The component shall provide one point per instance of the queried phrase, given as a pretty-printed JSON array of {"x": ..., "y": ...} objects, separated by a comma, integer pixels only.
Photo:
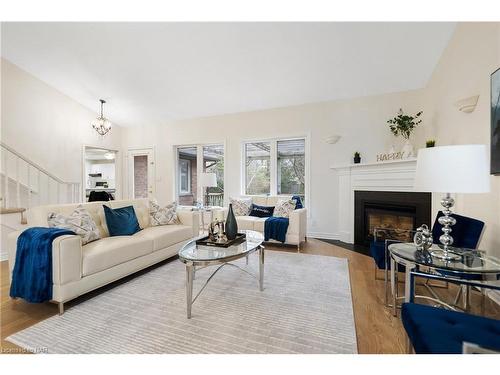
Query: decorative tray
[{"x": 240, "y": 237}]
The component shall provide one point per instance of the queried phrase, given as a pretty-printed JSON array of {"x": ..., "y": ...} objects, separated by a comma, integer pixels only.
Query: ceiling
[{"x": 152, "y": 73}]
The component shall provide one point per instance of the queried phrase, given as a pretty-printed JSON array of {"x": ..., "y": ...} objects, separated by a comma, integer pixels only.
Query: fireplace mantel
[{"x": 397, "y": 175}]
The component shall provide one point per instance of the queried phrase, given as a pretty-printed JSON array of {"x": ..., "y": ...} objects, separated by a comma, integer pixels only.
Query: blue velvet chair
[
  {"x": 432, "y": 330},
  {"x": 466, "y": 232}
]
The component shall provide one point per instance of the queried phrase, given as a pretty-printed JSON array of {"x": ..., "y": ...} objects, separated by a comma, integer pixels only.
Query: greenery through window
[
  {"x": 257, "y": 168},
  {"x": 291, "y": 167},
  {"x": 275, "y": 167},
  {"x": 213, "y": 162}
]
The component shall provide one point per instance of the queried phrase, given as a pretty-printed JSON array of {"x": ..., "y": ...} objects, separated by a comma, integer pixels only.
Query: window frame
[
  {"x": 244, "y": 159},
  {"x": 199, "y": 167},
  {"x": 188, "y": 191},
  {"x": 274, "y": 165}
]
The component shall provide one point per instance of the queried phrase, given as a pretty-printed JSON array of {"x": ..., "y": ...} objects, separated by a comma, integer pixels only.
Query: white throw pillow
[
  {"x": 284, "y": 207},
  {"x": 79, "y": 222},
  {"x": 241, "y": 206},
  {"x": 163, "y": 215}
]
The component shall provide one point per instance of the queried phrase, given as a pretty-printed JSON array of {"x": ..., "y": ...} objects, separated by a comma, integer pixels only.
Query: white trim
[
  {"x": 273, "y": 165},
  {"x": 199, "y": 168},
  {"x": 150, "y": 152},
  {"x": 323, "y": 235},
  {"x": 188, "y": 175},
  {"x": 118, "y": 170}
]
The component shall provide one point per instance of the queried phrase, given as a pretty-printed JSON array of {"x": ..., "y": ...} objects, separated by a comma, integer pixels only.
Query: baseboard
[
  {"x": 325, "y": 236},
  {"x": 4, "y": 256},
  {"x": 494, "y": 295}
]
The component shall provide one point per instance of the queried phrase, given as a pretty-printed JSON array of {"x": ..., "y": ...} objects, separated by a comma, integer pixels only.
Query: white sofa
[
  {"x": 297, "y": 229},
  {"x": 79, "y": 269}
]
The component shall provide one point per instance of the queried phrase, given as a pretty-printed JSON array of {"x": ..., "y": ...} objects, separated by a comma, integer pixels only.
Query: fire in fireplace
[{"x": 394, "y": 212}]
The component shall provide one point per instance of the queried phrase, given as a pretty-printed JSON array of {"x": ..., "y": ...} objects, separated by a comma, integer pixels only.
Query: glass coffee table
[{"x": 200, "y": 256}]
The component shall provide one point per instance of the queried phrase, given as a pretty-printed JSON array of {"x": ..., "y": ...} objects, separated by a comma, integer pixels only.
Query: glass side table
[{"x": 472, "y": 265}]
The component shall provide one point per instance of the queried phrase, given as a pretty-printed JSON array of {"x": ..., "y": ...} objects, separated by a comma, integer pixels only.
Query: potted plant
[
  {"x": 430, "y": 143},
  {"x": 357, "y": 157},
  {"x": 403, "y": 125}
]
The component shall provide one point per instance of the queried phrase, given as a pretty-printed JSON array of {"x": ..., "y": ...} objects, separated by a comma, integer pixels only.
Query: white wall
[
  {"x": 47, "y": 126},
  {"x": 361, "y": 122},
  {"x": 464, "y": 70}
]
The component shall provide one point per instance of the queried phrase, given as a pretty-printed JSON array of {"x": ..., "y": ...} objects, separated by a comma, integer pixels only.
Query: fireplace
[{"x": 395, "y": 211}]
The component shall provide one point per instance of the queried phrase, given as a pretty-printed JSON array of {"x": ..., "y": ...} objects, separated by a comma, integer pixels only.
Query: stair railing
[{"x": 41, "y": 186}]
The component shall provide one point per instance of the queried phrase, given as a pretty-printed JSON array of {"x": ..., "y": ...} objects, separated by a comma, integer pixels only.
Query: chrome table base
[{"x": 191, "y": 269}]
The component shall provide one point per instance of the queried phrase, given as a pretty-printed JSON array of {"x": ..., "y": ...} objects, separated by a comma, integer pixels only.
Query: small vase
[
  {"x": 231, "y": 224},
  {"x": 407, "y": 150}
]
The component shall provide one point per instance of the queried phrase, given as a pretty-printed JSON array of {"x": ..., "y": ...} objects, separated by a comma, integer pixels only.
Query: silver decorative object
[
  {"x": 446, "y": 239},
  {"x": 423, "y": 238},
  {"x": 216, "y": 231}
]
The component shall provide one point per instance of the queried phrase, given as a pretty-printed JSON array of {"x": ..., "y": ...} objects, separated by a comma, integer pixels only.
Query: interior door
[{"x": 141, "y": 172}]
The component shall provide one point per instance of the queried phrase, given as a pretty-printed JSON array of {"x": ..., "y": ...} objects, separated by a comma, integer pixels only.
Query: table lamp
[
  {"x": 451, "y": 169},
  {"x": 208, "y": 180}
]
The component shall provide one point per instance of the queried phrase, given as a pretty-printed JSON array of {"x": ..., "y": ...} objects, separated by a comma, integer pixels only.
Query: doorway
[{"x": 141, "y": 172}]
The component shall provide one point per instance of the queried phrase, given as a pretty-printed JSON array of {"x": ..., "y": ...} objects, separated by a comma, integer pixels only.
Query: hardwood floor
[{"x": 377, "y": 330}]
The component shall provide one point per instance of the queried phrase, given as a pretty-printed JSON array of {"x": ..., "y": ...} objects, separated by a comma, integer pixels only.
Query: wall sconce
[
  {"x": 332, "y": 139},
  {"x": 467, "y": 105}
]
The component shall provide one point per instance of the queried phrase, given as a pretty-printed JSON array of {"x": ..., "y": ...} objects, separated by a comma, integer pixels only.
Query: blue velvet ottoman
[{"x": 437, "y": 331}]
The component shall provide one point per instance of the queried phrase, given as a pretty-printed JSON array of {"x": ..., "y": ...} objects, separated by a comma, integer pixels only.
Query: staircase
[{"x": 25, "y": 184}]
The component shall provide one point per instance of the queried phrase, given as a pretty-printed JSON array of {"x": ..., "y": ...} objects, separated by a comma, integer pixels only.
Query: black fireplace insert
[{"x": 394, "y": 211}]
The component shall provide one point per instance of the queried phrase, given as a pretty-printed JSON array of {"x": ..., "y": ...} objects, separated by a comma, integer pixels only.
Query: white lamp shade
[
  {"x": 208, "y": 179},
  {"x": 453, "y": 169}
]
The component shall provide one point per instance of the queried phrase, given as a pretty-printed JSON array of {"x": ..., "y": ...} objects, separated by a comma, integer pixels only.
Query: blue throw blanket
[
  {"x": 275, "y": 228},
  {"x": 298, "y": 202},
  {"x": 32, "y": 274}
]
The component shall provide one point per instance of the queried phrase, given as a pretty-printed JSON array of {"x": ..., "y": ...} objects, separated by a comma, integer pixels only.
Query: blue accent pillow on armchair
[
  {"x": 261, "y": 211},
  {"x": 121, "y": 221}
]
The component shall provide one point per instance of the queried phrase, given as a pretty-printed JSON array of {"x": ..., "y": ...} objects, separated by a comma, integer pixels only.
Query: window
[
  {"x": 213, "y": 162},
  {"x": 291, "y": 167},
  {"x": 275, "y": 167},
  {"x": 257, "y": 168},
  {"x": 192, "y": 162},
  {"x": 184, "y": 176}
]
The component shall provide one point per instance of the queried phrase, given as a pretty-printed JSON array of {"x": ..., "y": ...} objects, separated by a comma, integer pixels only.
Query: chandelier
[{"x": 101, "y": 124}]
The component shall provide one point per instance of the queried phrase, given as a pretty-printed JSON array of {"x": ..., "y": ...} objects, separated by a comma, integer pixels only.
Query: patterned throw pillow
[
  {"x": 284, "y": 207},
  {"x": 79, "y": 222},
  {"x": 241, "y": 206},
  {"x": 163, "y": 215}
]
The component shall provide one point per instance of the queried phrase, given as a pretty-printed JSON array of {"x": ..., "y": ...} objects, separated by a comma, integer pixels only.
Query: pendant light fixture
[{"x": 101, "y": 124}]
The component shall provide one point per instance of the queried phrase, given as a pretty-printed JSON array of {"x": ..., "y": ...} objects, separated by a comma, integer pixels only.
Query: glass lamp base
[{"x": 445, "y": 255}]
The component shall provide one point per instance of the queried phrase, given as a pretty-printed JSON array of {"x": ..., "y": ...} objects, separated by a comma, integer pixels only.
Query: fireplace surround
[{"x": 403, "y": 210}]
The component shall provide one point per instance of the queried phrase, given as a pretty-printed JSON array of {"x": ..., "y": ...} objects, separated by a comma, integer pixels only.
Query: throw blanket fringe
[
  {"x": 32, "y": 274},
  {"x": 275, "y": 228}
]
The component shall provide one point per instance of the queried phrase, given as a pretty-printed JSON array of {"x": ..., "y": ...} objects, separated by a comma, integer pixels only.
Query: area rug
[{"x": 305, "y": 307}]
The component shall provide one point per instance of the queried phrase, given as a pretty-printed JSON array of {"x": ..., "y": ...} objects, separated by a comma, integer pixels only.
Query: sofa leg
[
  {"x": 409, "y": 346},
  {"x": 61, "y": 307},
  {"x": 298, "y": 248}
]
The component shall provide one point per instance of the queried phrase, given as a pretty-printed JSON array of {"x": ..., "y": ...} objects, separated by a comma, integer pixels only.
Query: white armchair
[{"x": 297, "y": 228}]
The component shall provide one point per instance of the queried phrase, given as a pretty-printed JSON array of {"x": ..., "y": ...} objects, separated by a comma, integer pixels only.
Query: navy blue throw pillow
[
  {"x": 261, "y": 211},
  {"x": 121, "y": 221}
]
